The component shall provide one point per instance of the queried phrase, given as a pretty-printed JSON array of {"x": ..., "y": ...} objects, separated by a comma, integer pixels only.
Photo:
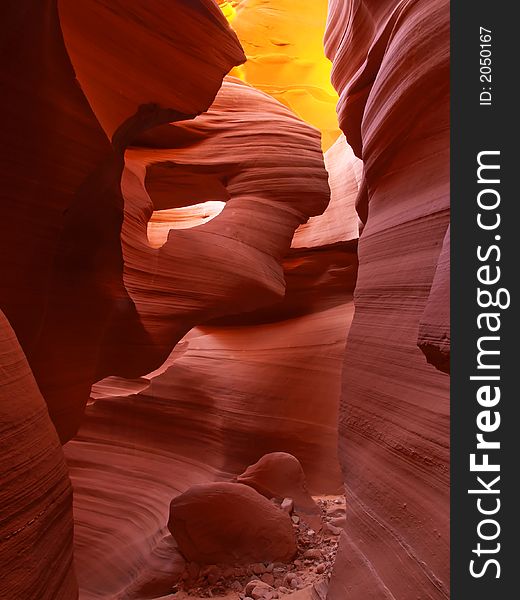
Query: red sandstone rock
[
  {"x": 391, "y": 69},
  {"x": 169, "y": 54},
  {"x": 280, "y": 475},
  {"x": 211, "y": 408},
  {"x": 271, "y": 183},
  {"x": 434, "y": 328},
  {"x": 35, "y": 492},
  {"x": 340, "y": 221},
  {"x": 230, "y": 523},
  {"x": 62, "y": 208}
]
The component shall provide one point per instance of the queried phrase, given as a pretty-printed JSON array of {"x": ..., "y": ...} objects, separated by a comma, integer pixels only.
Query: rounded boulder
[{"x": 230, "y": 523}]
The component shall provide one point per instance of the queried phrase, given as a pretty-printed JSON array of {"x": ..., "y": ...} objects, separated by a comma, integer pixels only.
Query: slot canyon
[{"x": 224, "y": 300}]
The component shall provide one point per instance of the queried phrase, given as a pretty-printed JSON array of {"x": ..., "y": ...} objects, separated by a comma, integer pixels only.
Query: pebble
[
  {"x": 332, "y": 529},
  {"x": 313, "y": 553},
  {"x": 321, "y": 568},
  {"x": 287, "y": 505},
  {"x": 295, "y": 519},
  {"x": 258, "y": 568},
  {"x": 257, "y": 585},
  {"x": 267, "y": 578},
  {"x": 260, "y": 592}
]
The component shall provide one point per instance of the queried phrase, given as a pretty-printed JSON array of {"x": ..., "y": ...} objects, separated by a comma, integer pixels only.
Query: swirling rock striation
[
  {"x": 35, "y": 491},
  {"x": 240, "y": 384},
  {"x": 62, "y": 208},
  {"x": 391, "y": 70}
]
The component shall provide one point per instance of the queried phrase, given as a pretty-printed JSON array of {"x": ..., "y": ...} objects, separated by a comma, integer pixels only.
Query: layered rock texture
[
  {"x": 391, "y": 72},
  {"x": 245, "y": 383},
  {"x": 73, "y": 114},
  {"x": 35, "y": 492},
  {"x": 179, "y": 259}
]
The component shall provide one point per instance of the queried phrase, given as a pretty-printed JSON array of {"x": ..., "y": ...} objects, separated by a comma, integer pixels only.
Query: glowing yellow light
[
  {"x": 228, "y": 9},
  {"x": 283, "y": 41}
]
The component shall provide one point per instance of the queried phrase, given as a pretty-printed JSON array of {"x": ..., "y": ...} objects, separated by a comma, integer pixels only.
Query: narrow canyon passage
[{"x": 224, "y": 371}]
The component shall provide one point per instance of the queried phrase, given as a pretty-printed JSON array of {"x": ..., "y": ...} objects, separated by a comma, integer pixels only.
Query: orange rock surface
[
  {"x": 179, "y": 261},
  {"x": 283, "y": 43}
]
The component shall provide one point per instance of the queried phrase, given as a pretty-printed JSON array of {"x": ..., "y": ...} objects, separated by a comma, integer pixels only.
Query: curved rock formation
[
  {"x": 230, "y": 523},
  {"x": 35, "y": 492},
  {"x": 256, "y": 153},
  {"x": 133, "y": 223},
  {"x": 280, "y": 475},
  {"x": 391, "y": 62},
  {"x": 62, "y": 283},
  {"x": 240, "y": 385},
  {"x": 434, "y": 328}
]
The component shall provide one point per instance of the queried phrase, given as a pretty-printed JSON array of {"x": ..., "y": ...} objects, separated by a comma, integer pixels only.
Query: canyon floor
[{"x": 306, "y": 577}]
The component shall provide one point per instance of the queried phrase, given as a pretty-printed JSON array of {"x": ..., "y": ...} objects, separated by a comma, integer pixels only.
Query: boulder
[
  {"x": 280, "y": 475},
  {"x": 218, "y": 523}
]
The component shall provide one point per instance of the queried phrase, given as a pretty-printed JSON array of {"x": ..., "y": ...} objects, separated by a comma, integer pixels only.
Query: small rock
[
  {"x": 313, "y": 553},
  {"x": 288, "y": 578},
  {"x": 236, "y": 586},
  {"x": 311, "y": 532},
  {"x": 338, "y": 521},
  {"x": 258, "y": 568},
  {"x": 296, "y": 583},
  {"x": 287, "y": 505},
  {"x": 332, "y": 529},
  {"x": 295, "y": 519},
  {"x": 256, "y": 584},
  {"x": 298, "y": 563},
  {"x": 321, "y": 568},
  {"x": 260, "y": 592},
  {"x": 269, "y": 568},
  {"x": 250, "y": 586},
  {"x": 267, "y": 578},
  {"x": 338, "y": 501}
]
